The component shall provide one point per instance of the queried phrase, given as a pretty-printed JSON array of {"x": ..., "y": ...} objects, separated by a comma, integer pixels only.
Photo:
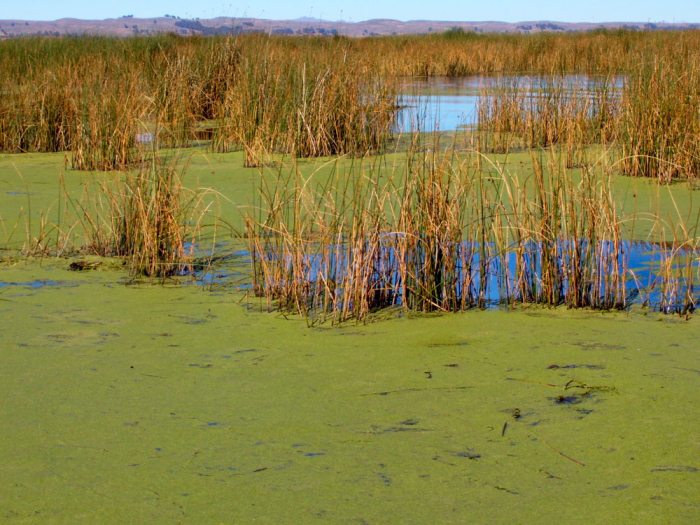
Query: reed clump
[
  {"x": 437, "y": 234},
  {"x": 103, "y": 133},
  {"x": 539, "y": 112},
  {"x": 304, "y": 108},
  {"x": 144, "y": 216}
]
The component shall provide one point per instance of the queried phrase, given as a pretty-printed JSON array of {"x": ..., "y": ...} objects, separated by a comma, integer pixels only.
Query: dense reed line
[
  {"x": 456, "y": 54},
  {"x": 652, "y": 119},
  {"x": 324, "y": 96},
  {"x": 306, "y": 109},
  {"x": 659, "y": 128},
  {"x": 258, "y": 93},
  {"x": 571, "y": 112},
  {"x": 438, "y": 232}
]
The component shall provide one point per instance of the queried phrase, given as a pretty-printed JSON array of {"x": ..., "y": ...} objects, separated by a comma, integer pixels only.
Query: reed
[
  {"x": 306, "y": 109},
  {"x": 257, "y": 93},
  {"x": 671, "y": 288},
  {"x": 549, "y": 111},
  {"x": 600, "y": 53},
  {"x": 103, "y": 136},
  {"x": 324, "y": 96},
  {"x": 659, "y": 132},
  {"x": 437, "y": 234},
  {"x": 145, "y": 217}
]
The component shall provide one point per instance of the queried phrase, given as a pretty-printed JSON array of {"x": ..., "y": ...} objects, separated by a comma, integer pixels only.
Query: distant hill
[{"x": 129, "y": 26}]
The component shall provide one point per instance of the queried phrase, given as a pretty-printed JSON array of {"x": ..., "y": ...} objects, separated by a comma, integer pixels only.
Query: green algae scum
[{"x": 281, "y": 305}]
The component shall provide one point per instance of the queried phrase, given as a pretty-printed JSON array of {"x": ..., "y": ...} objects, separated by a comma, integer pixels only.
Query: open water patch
[
  {"x": 35, "y": 284},
  {"x": 448, "y": 104},
  {"x": 221, "y": 269}
]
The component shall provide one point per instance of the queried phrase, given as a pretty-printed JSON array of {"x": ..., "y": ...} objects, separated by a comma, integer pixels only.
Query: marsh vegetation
[
  {"x": 450, "y": 226},
  {"x": 255, "y": 174}
]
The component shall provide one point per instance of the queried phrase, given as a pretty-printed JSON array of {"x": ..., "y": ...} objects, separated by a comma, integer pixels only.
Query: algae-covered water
[
  {"x": 37, "y": 191},
  {"x": 144, "y": 403},
  {"x": 188, "y": 403}
]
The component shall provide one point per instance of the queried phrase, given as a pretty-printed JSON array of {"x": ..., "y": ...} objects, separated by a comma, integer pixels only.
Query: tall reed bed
[
  {"x": 435, "y": 232},
  {"x": 259, "y": 93},
  {"x": 37, "y": 116},
  {"x": 538, "y": 112},
  {"x": 652, "y": 121},
  {"x": 455, "y": 54},
  {"x": 659, "y": 130},
  {"x": 325, "y": 96},
  {"x": 304, "y": 106}
]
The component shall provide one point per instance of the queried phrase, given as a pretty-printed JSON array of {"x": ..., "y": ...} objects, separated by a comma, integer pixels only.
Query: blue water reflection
[{"x": 448, "y": 104}]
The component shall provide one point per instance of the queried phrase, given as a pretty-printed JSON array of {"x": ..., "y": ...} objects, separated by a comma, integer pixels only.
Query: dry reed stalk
[
  {"x": 143, "y": 217},
  {"x": 659, "y": 131}
]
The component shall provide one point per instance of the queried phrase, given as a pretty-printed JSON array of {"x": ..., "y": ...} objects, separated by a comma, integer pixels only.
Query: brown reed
[
  {"x": 437, "y": 234},
  {"x": 323, "y": 96},
  {"x": 144, "y": 217}
]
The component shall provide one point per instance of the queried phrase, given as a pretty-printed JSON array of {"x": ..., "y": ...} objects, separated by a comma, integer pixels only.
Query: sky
[{"x": 358, "y": 10}]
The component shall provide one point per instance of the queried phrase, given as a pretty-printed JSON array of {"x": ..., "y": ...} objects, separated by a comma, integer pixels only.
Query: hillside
[{"x": 129, "y": 26}]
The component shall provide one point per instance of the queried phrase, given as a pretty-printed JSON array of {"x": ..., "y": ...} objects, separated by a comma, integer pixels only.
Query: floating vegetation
[{"x": 82, "y": 265}]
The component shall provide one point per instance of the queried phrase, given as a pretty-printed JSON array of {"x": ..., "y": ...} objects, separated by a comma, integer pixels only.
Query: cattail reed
[
  {"x": 144, "y": 216},
  {"x": 538, "y": 112},
  {"x": 441, "y": 235},
  {"x": 321, "y": 96},
  {"x": 659, "y": 132}
]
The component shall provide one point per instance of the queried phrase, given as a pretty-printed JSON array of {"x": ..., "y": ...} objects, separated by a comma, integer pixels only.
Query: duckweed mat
[{"x": 184, "y": 404}]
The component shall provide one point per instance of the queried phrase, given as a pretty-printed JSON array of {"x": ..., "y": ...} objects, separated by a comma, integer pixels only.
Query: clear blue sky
[{"x": 356, "y": 10}]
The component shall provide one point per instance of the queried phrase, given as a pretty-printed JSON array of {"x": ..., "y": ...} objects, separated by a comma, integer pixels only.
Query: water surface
[
  {"x": 448, "y": 104},
  {"x": 173, "y": 404}
]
